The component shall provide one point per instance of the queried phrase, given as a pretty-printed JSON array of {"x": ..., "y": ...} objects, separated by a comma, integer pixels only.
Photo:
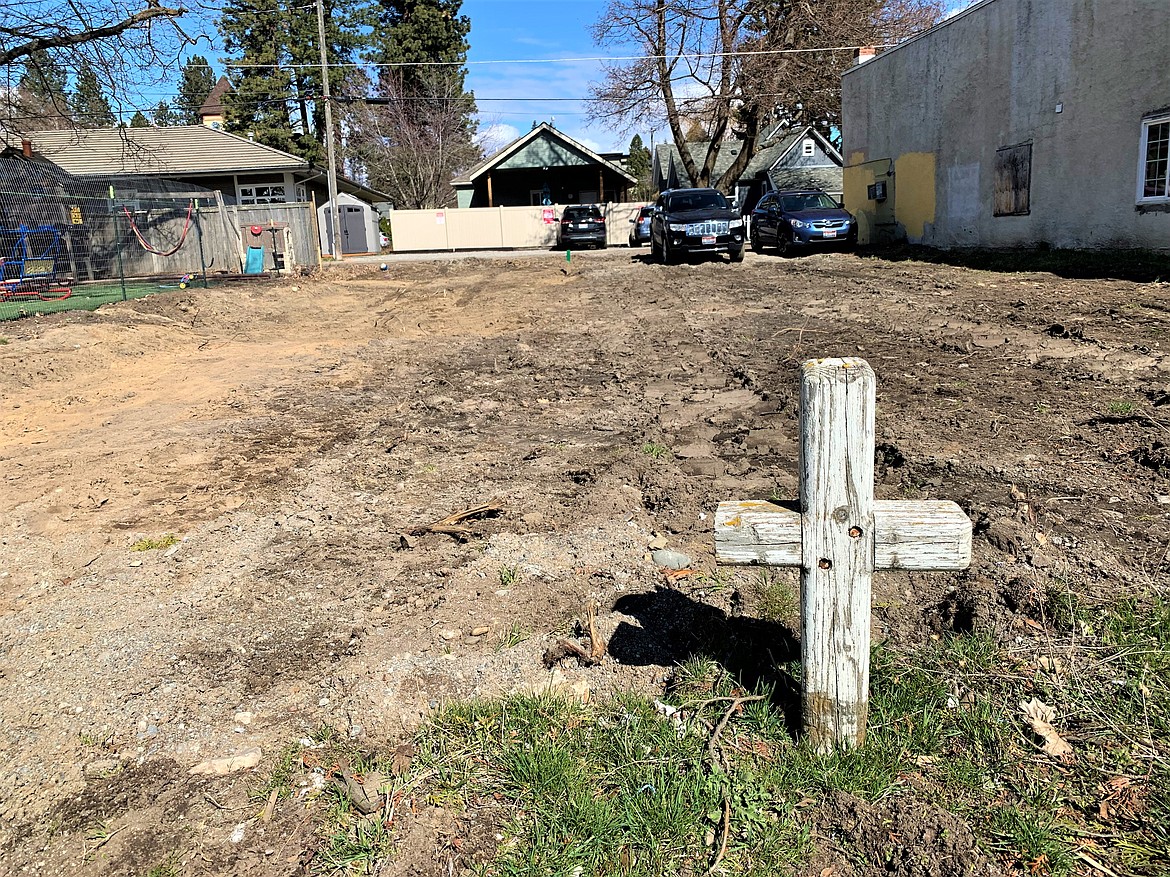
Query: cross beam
[{"x": 838, "y": 538}]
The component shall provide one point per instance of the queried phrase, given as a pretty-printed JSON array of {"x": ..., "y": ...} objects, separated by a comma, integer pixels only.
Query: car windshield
[
  {"x": 697, "y": 200},
  {"x": 810, "y": 201}
]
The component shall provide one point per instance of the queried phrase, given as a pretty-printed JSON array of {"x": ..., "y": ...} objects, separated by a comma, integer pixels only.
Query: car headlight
[
  {"x": 735, "y": 223},
  {"x": 796, "y": 223},
  {"x": 677, "y": 226}
]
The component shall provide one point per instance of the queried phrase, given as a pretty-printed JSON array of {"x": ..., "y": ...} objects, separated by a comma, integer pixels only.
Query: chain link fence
[{"x": 75, "y": 243}]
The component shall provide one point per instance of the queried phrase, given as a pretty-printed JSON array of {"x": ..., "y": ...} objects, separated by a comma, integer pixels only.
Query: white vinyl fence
[{"x": 495, "y": 228}]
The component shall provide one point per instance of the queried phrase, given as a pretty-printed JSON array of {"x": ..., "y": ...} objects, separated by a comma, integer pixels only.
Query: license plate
[
  {"x": 708, "y": 240},
  {"x": 830, "y": 233}
]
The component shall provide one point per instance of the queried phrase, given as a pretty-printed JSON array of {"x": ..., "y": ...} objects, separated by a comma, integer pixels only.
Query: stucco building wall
[{"x": 1073, "y": 78}]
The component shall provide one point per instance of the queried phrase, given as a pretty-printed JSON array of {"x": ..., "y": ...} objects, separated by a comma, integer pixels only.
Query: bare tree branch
[
  {"x": 67, "y": 39},
  {"x": 726, "y": 67}
]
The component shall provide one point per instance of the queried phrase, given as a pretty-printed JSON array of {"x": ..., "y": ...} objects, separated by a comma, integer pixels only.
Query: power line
[{"x": 606, "y": 58}]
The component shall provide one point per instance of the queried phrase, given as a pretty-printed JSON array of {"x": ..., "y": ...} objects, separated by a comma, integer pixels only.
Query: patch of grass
[
  {"x": 1031, "y": 840},
  {"x": 657, "y": 451},
  {"x": 148, "y": 544},
  {"x": 513, "y": 635},
  {"x": 171, "y": 866},
  {"x": 281, "y": 778},
  {"x": 3, "y": 340},
  {"x": 774, "y": 596},
  {"x": 628, "y": 786},
  {"x": 1121, "y": 408},
  {"x": 509, "y": 576}
]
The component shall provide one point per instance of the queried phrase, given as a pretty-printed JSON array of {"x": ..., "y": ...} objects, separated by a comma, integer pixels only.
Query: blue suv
[{"x": 800, "y": 219}]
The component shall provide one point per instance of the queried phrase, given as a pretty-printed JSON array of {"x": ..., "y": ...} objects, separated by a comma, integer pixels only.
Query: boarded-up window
[{"x": 1013, "y": 180}]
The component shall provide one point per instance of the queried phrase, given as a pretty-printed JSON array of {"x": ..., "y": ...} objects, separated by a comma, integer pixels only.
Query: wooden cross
[{"x": 840, "y": 536}]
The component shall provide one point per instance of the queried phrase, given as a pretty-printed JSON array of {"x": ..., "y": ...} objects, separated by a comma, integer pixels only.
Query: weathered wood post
[
  {"x": 836, "y": 566},
  {"x": 839, "y": 537}
]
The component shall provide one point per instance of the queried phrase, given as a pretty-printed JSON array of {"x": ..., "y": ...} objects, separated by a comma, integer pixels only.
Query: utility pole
[{"x": 330, "y": 146}]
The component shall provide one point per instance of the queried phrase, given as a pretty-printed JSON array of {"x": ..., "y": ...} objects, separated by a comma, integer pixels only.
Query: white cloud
[{"x": 495, "y": 135}]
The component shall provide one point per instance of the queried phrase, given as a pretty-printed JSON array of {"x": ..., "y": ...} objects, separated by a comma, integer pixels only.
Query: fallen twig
[
  {"x": 726, "y": 834},
  {"x": 452, "y": 524},
  {"x": 564, "y": 648}
]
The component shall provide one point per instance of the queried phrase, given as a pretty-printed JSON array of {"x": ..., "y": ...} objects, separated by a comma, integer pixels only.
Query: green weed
[
  {"x": 509, "y": 576},
  {"x": 1121, "y": 408},
  {"x": 774, "y": 595},
  {"x": 171, "y": 866},
  {"x": 148, "y": 544},
  {"x": 657, "y": 451},
  {"x": 513, "y": 635}
]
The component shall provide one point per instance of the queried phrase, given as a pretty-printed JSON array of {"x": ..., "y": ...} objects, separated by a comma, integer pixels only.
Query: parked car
[
  {"x": 640, "y": 233},
  {"x": 791, "y": 219},
  {"x": 582, "y": 224},
  {"x": 690, "y": 221}
]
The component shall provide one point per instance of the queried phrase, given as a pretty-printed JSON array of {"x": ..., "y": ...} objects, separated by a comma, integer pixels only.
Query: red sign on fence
[{"x": 549, "y": 216}]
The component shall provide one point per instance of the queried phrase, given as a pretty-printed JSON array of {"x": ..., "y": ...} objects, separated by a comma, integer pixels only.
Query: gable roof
[
  {"x": 213, "y": 105},
  {"x": 182, "y": 149},
  {"x": 523, "y": 140},
  {"x": 827, "y": 179},
  {"x": 766, "y": 157}
]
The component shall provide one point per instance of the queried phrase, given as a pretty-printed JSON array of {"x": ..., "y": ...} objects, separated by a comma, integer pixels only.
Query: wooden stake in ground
[{"x": 839, "y": 537}]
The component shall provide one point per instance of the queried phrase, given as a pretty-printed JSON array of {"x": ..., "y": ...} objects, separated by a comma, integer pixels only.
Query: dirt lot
[{"x": 287, "y": 433}]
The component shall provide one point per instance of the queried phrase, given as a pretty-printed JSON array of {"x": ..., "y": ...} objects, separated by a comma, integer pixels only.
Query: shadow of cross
[{"x": 840, "y": 536}]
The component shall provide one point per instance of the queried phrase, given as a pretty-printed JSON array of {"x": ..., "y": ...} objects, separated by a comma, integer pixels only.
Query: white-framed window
[
  {"x": 302, "y": 193},
  {"x": 809, "y": 147},
  {"x": 273, "y": 193},
  {"x": 1154, "y": 169}
]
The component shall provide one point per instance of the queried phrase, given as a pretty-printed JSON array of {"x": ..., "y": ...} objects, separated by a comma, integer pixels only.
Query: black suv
[
  {"x": 582, "y": 224},
  {"x": 689, "y": 221},
  {"x": 801, "y": 219}
]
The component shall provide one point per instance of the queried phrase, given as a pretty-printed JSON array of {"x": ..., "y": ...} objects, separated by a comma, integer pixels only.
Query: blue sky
[{"x": 542, "y": 29}]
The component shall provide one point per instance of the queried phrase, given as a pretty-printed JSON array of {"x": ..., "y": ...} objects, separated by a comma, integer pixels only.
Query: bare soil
[{"x": 289, "y": 432}]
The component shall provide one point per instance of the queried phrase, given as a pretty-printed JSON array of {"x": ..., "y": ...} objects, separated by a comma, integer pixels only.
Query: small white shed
[{"x": 359, "y": 226}]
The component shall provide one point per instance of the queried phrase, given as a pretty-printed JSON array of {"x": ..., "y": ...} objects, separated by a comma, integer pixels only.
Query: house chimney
[
  {"x": 865, "y": 53},
  {"x": 26, "y": 148}
]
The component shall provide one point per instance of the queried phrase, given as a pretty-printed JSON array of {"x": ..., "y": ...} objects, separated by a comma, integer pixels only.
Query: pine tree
[
  {"x": 195, "y": 84},
  {"x": 138, "y": 120},
  {"x": 90, "y": 107},
  {"x": 277, "y": 107},
  {"x": 638, "y": 164},
  {"x": 163, "y": 115},
  {"x": 41, "y": 100},
  {"x": 416, "y": 144}
]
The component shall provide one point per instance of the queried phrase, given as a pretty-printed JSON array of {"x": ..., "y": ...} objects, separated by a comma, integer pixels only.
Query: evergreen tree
[
  {"x": 195, "y": 84},
  {"x": 90, "y": 107},
  {"x": 138, "y": 120},
  {"x": 163, "y": 115},
  {"x": 638, "y": 164},
  {"x": 41, "y": 100},
  {"x": 277, "y": 107},
  {"x": 413, "y": 146}
]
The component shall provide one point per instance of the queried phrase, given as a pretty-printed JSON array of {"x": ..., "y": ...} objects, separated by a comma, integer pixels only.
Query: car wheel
[
  {"x": 603, "y": 245},
  {"x": 737, "y": 255},
  {"x": 757, "y": 244},
  {"x": 668, "y": 256},
  {"x": 783, "y": 244},
  {"x": 655, "y": 254}
]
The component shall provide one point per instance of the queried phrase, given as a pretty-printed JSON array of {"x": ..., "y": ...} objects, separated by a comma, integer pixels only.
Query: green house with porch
[{"x": 544, "y": 166}]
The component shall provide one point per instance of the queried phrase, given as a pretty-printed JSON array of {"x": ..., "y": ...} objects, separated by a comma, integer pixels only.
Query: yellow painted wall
[
  {"x": 911, "y": 196},
  {"x": 915, "y": 195},
  {"x": 858, "y": 176}
]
